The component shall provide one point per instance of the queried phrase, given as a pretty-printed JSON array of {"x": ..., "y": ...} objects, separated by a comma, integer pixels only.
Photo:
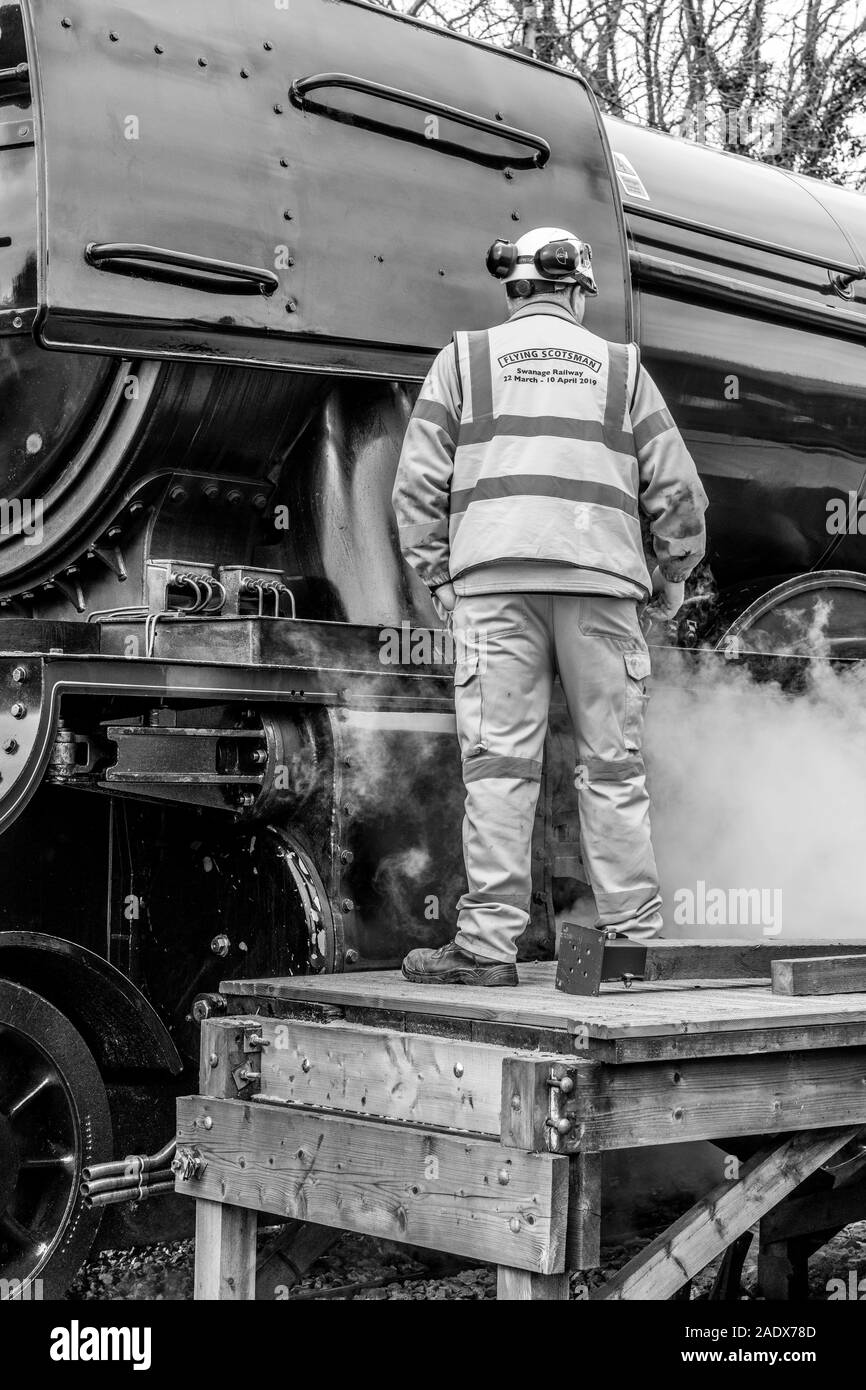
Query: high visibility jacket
[{"x": 537, "y": 440}]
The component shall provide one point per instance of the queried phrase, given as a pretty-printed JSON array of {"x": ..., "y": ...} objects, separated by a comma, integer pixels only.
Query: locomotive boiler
[{"x": 231, "y": 244}]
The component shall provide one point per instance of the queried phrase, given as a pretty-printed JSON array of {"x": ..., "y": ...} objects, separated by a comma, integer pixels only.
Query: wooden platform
[{"x": 475, "y": 1121}]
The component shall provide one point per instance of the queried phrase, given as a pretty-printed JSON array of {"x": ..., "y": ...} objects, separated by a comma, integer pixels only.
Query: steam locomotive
[{"x": 231, "y": 244}]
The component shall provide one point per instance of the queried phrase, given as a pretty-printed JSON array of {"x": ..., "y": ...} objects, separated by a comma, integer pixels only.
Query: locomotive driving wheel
[{"x": 54, "y": 1121}]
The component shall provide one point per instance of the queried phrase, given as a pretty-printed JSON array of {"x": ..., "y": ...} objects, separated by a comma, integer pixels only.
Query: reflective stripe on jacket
[{"x": 545, "y": 444}]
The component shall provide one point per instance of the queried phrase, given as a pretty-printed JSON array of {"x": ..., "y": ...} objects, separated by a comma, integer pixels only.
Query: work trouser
[{"x": 509, "y": 647}]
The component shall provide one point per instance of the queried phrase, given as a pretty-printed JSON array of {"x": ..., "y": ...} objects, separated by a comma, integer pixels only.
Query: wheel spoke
[
  {"x": 47, "y": 1080},
  {"x": 58, "y": 1161}
]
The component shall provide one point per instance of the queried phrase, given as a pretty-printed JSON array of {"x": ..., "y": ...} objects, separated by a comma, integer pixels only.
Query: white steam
[{"x": 753, "y": 788}]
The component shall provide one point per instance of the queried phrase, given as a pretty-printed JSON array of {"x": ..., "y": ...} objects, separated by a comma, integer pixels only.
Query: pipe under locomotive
[{"x": 226, "y": 735}]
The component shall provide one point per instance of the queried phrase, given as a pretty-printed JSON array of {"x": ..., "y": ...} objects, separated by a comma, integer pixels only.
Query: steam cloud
[{"x": 754, "y": 788}]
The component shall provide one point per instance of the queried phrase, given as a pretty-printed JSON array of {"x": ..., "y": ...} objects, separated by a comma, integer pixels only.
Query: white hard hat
[{"x": 545, "y": 253}]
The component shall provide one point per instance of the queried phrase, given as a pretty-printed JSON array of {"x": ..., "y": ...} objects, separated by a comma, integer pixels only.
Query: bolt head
[
  {"x": 514, "y": 1224},
  {"x": 563, "y": 1126},
  {"x": 347, "y": 905},
  {"x": 566, "y": 1084},
  {"x": 10, "y": 745},
  {"x": 306, "y": 1064},
  {"x": 213, "y": 1060},
  {"x": 458, "y": 1069},
  {"x": 207, "y": 1122},
  {"x": 18, "y": 710},
  {"x": 503, "y": 1177},
  {"x": 19, "y": 674}
]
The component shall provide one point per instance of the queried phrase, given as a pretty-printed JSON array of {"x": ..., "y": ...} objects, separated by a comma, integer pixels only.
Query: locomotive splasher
[{"x": 226, "y": 734}]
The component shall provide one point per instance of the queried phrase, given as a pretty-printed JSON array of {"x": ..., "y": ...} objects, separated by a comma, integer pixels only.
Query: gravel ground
[{"x": 385, "y": 1271}]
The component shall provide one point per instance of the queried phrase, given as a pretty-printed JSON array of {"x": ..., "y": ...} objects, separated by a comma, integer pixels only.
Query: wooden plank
[
  {"x": 225, "y": 1252},
  {"x": 727, "y": 959},
  {"x": 221, "y": 1054},
  {"x": 520, "y": 1286},
  {"x": 405, "y": 1077},
  {"x": 642, "y": 1011},
  {"x": 687, "y": 1247},
  {"x": 629, "y": 1107},
  {"x": 583, "y": 1230},
  {"x": 813, "y": 975},
  {"x": 468, "y": 1196},
  {"x": 745, "y": 1041}
]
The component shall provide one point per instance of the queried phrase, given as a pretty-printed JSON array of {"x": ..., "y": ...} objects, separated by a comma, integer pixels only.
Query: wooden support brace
[
  {"x": 225, "y": 1252},
  {"x": 688, "y": 1246},
  {"x": 521, "y": 1286}
]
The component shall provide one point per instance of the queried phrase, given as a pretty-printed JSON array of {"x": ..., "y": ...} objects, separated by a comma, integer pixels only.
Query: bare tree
[{"x": 780, "y": 80}]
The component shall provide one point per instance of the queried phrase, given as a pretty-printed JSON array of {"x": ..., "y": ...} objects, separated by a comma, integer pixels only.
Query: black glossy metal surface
[{"x": 263, "y": 182}]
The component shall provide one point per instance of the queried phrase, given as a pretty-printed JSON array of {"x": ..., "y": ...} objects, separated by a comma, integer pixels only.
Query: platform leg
[
  {"x": 522, "y": 1286},
  {"x": 783, "y": 1268},
  {"x": 225, "y": 1251}
]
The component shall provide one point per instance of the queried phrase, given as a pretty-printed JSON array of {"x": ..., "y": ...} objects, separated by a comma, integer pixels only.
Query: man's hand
[
  {"x": 667, "y": 599},
  {"x": 444, "y": 599}
]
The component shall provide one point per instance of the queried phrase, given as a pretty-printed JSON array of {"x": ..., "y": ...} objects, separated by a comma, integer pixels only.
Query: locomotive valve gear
[{"x": 533, "y": 449}]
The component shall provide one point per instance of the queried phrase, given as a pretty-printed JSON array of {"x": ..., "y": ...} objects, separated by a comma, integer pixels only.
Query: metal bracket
[{"x": 589, "y": 956}]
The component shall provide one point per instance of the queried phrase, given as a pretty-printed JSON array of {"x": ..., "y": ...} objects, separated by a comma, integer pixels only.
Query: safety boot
[{"x": 451, "y": 965}]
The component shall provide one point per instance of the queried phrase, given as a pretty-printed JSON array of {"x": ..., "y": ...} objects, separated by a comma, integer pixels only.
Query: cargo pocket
[
  {"x": 637, "y": 671},
  {"x": 468, "y": 704}
]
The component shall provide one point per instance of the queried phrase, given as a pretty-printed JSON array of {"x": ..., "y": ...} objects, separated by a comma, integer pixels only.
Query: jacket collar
[{"x": 545, "y": 308}]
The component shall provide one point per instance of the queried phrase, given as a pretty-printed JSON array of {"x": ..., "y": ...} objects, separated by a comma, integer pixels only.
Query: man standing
[{"x": 530, "y": 455}]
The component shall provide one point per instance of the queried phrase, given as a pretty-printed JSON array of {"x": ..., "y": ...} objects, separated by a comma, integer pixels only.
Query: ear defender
[
  {"x": 501, "y": 259},
  {"x": 557, "y": 260}
]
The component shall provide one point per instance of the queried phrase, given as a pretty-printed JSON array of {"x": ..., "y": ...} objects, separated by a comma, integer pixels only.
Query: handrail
[
  {"x": 180, "y": 267},
  {"x": 303, "y": 86},
  {"x": 844, "y": 270}
]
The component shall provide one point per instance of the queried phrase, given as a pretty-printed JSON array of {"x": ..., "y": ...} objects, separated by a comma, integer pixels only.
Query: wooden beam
[
  {"x": 415, "y": 1078},
  {"x": 687, "y": 1247},
  {"x": 583, "y": 1231},
  {"x": 520, "y": 1286},
  {"x": 465, "y": 1195},
  {"x": 814, "y": 975},
  {"x": 225, "y": 1252},
  {"x": 729, "y": 959},
  {"x": 624, "y": 1107}
]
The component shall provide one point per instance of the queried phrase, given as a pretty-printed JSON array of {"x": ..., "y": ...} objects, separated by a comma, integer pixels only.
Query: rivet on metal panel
[
  {"x": 441, "y": 271},
  {"x": 346, "y": 856},
  {"x": 65, "y": 23},
  {"x": 244, "y": 72},
  {"x": 347, "y": 905},
  {"x": 10, "y": 745},
  {"x": 267, "y": 46},
  {"x": 515, "y": 216},
  {"x": 17, "y": 322},
  {"x": 202, "y": 62},
  {"x": 284, "y": 163},
  {"x": 351, "y": 956},
  {"x": 158, "y": 48},
  {"x": 499, "y": 116},
  {"x": 288, "y": 215},
  {"x": 380, "y": 259},
  {"x": 114, "y": 36},
  {"x": 278, "y": 109},
  {"x": 509, "y": 173}
]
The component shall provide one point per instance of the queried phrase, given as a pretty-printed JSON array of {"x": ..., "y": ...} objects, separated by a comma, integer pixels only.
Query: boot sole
[{"x": 492, "y": 977}]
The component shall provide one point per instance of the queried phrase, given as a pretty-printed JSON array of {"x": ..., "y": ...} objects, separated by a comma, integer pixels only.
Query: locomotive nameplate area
[{"x": 256, "y": 188}]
